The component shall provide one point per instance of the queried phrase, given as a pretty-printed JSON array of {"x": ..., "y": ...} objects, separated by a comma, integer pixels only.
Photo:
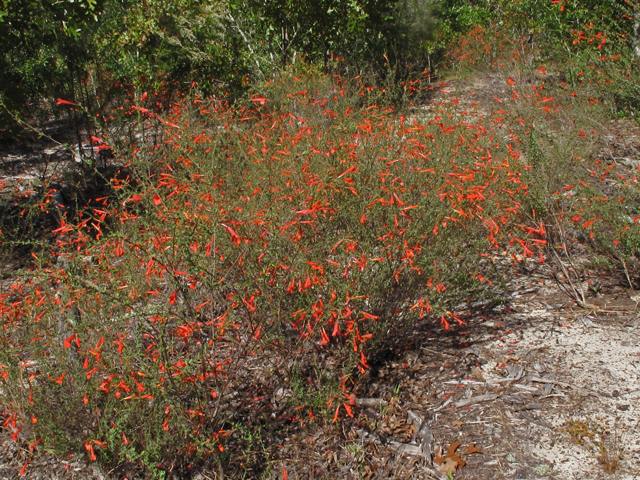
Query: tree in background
[
  {"x": 276, "y": 32},
  {"x": 92, "y": 51},
  {"x": 86, "y": 52},
  {"x": 41, "y": 43}
]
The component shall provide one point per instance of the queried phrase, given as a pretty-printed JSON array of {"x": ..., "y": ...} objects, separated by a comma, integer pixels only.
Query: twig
[
  {"x": 434, "y": 474},
  {"x": 40, "y": 133},
  {"x": 447, "y": 402},
  {"x": 477, "y": 399},
  {"x": 626, "y": 272},
  {"x": 436, "y": 352},
  {"x": 578, "y": 296}
]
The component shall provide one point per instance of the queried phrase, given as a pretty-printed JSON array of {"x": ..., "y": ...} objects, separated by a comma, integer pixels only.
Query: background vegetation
[{"x": 93, "y": 51}]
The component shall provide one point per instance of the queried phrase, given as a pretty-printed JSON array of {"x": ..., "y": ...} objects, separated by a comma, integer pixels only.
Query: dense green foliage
[
  {"x": 89, "y": 51},
  {"x": 94, "y": 50}
]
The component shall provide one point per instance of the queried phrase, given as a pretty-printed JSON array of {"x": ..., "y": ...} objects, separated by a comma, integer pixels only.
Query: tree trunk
[{"x": 636, "y": 30}]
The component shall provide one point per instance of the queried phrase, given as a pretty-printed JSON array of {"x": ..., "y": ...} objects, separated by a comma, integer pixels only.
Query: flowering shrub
[{"x": 254, "y": 260}]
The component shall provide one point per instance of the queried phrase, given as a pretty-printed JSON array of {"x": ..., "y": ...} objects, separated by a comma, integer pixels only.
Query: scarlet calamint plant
[{"x": 256, "y": 260}]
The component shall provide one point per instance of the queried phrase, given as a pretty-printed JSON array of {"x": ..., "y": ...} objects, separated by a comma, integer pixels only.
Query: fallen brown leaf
[
  {"x": 449, "y": 466},
  {"x": 458, "y": 459},
  {"x": 453, "y": 461},
  {"x": 452, "y": 449},
  {"x": 471, "y": 449}
]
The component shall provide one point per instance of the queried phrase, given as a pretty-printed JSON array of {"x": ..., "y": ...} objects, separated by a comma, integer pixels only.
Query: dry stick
[
  {"x": 40, "y": 133},
  {"x": 626, "y": 272},
  {"x": 220, "y": 470},
  {"x": 581, "y": 292},
  {"x": 633, "y": 297},
  {"x": 436, "y": 352},
  {"x": 574, "y": 293},
  {"x": 566, "y": 252},
  {"x": 76, "y": 121},
  {"x": 578, "y": 295},
  {"x": 89, "y": 122},
  {"x": 434, "y": 474},
  {"x": 583, "y": 303}
]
